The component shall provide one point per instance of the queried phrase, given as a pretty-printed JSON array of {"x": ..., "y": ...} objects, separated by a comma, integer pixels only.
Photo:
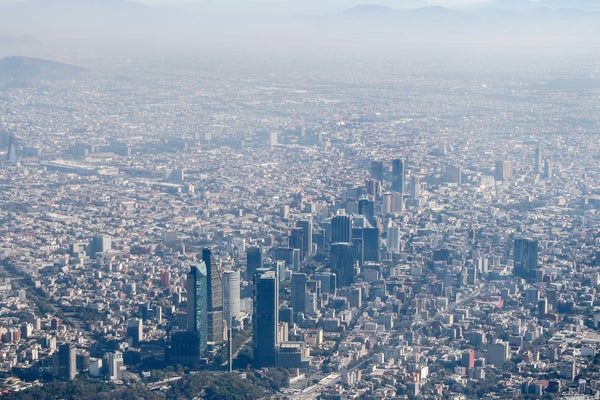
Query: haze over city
[{"x": 299, "y": 199}]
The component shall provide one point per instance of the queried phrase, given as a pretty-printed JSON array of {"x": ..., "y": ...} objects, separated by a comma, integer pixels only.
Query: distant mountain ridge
[{"x": 28, "y": 71}]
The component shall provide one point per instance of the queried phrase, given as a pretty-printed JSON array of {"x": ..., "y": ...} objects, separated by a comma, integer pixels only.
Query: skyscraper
[
  {"x": 66, "y": 362},
  {"x": 370, "y": 244},
  {"x": 231, "y": 294},
  {"x": 341, "y": 229},
  {"x": 366, "y": 207},
  {"x": 525, "y": 258},
  {"x": 135, "y": 330},
  {"x": 296, "y": 241},
  {"x": 214, "y": 299},
  {"x": 265, "y": 318},
  {"x": 307, "y": 229},
  {"x": 254, "y": 261},
  {"x": 415, "y": 187},
  {"x": 537, "y": 161},
  {"x": 503, "y": 171},
  {"x": 342, "y": 263},
  {"x": 196, "y": 285},
  {"x": 398, "y": 175},
  {"x": 298, "y": 292},
  {"x": 377, "y": 170}
]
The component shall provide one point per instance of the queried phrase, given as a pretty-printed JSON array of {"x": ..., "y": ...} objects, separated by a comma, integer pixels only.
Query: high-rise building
[
  {"x": 265, "y": 319},
  {"x": 165, "y": 279},
  {"x": 377, "y": 170},
  {"x": 231, "y": 294},
  {"x": 296, "y": 241},
  {"x": 115, "y": 366},
  {"x": 307, "y": 231},
  {"x": 135, "y": 330},
  {"x": 392, "y": 203},
  {"x": 100, "y": 244},
  {"x": 525, "y": 258},
  {"x": 341, "y": 229},
  {"x": 328, "y": 281},
  {"x": 415, "y": 187},
  {"x": 254, "y": 261},
  {"x": 66, "y": 362},
  {"x": 214, "y": 299},
  {"x": 342, "y": 263},
  {"x": 298, "y": 292},
  {"x": 373, "y": 188},
  {"x": 370, "y": 238},
  {"x": 398, "y": 175},
  {"x": 498, "y": 353},
  {"x": 366, "y": 207},
  {"x": 537, "y": 161},
  {"x": 393, "y": 239},
  {"x": 196, "y": 285},
  {"x": 547, "y": 172},
  {"x": 11, "y": 154},
  {"x": 503, "y": 171}
]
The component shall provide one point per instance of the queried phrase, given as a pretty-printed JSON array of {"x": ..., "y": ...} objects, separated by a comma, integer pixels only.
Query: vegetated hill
[{"x": 26, "y": 71}]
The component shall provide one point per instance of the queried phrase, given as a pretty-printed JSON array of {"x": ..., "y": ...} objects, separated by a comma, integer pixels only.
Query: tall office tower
[
  {"x": 498, "y": 353},
  {"x": 254, "y": 261},
  {"x": 100, "y": 244},
  {"x": 366, "y": 207},
  {"x": 415, "y": 187},
  {"x": 65, "y": 366},
  {"x": 341, "y": 229},
  {"x": 115, "y": 366},
  {"x": 537, "y": 161},
  {"x": 342, "y": 263},
  {"x": 231, "y": 294},
  {"x": 298, "y": 292},
  {"x": 398, "y": 175},
  {"x": 503, "y": 170},
  {"x": 265, "y": 319},
  {"x": 370, "y": 238},
  {"x": 307, "y": 231},
  {"x": 196, "y": 285},
  {"x": 525, "y": 258},
  {"x": 328, "y": 281},
  {"x": 214, "y": 299},
  {"x": 453, "y": 174},
  {"x": 165, "y": 278},
  {"x": 547, "y": 169},
  {"x": 377, "y": 170},
  {"x": 11, "y": 155},
  {"x": 393, "y": 239},
  {"x": 392, "y": 203},
  {"x": 296, "y": 241},
  {"x": 373, "y": 188},
  {"x": 135, "y": 331}
]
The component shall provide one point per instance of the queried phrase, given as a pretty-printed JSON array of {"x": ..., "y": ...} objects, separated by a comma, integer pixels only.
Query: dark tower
[
  {"x": 66, "y": 367},
  {"x": 296, "y": 240},
  {"x": 377, "y": 170},
  {"x": 342, "y": 263},
  {"x": 265, "y": 319},
  {"x": 366, "y": 207},
  {"x": 196, "y": 285},
  {"x": 254, "y": 261},
  {"x": 298, "y": 292},
  {"x": 307, "y": 228},
  {"x": 537, "y": 162},
  {"x": 214, "y": 299},
  {"x": 525, "y": 258},
  {"x": 398, "y": 175},
  {"x": 341, "y": 229}
]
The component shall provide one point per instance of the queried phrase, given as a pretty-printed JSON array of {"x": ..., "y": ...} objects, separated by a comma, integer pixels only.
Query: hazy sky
[{"x": 448, "y": 3}]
